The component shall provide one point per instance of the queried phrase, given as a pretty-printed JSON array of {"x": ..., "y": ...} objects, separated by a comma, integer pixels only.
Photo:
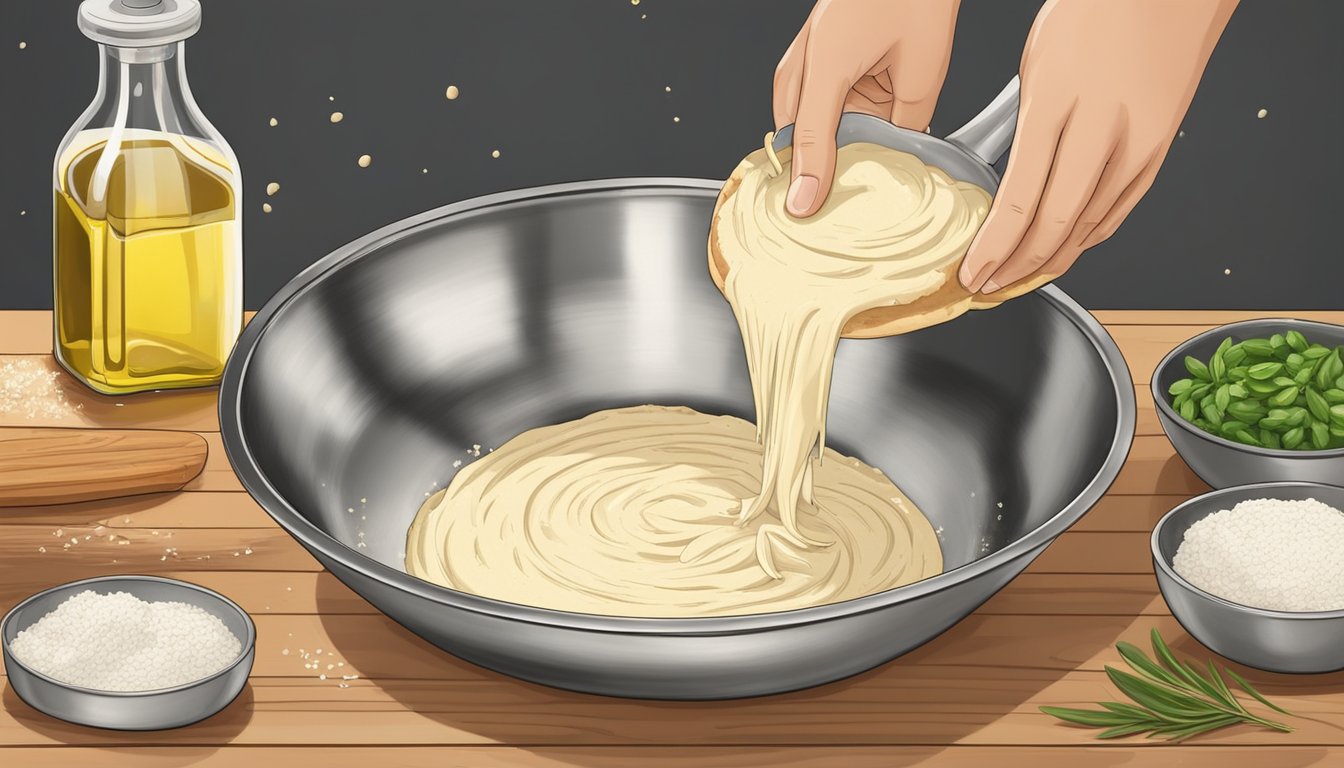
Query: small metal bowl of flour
[
  {"x": 128, "y": 652},
  {"x": 1260, "y": 583}
]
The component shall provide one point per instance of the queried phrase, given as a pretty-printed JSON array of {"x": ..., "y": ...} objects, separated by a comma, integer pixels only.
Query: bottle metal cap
[{"x": 139, "y": 23}]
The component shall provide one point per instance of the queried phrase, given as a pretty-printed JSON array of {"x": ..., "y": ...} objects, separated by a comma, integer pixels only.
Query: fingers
[
  {"x": 1122, "y": 206},
  {"x": 1062, "y": 260},
  {"x": 1094, "y": 228},
  {"x": 872, "y": 56},
  {"x": 1117, "y": 174},
  {"x": 870, "y": 88},
  {"x": 788, "y": 81},
  {"x": 915, "y": 112},
  {"x": 1080, "y": 159},
  {"x": 922, "y": 67},
  {"x": 820, "y": 101},
  {"x": 883, "y": 78},
  {"x": 1019, "y": 195},
  {"x": 915, "y": 116},
  {"x": 869, "y": 97}
]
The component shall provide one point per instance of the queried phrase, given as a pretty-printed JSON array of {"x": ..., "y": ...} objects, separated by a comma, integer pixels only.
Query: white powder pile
[
  {"x": 1268, "y": 553},
  {"x": 30, "y": 390},
  {"x": 117, "y": 642}
]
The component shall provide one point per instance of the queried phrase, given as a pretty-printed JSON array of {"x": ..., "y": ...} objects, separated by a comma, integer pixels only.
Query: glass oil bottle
[{"x": 147, "y": 224}]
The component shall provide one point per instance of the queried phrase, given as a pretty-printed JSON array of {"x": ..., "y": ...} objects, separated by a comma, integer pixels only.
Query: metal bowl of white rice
[
  {"x": 128, "y": 652},
  {"x": 1287, "y": 555}
]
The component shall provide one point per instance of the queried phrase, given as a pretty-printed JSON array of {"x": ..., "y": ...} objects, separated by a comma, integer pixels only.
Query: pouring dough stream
[
  {"x": 654, "y": 511},
  {"x": 892, "y": 232}
]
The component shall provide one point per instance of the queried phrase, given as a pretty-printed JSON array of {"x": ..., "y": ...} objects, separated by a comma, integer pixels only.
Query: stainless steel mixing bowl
[{"x": 379, "y": 367}]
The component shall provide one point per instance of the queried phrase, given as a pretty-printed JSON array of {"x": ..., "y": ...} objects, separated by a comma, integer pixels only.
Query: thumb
[{"x": 820, "y": 102}]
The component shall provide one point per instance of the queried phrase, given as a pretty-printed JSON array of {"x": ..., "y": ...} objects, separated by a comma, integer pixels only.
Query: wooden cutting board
[{"x": 49, "y": 465}]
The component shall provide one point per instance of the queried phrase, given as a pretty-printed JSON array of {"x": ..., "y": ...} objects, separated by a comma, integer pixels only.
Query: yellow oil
[{"x": 148, "y": 266}]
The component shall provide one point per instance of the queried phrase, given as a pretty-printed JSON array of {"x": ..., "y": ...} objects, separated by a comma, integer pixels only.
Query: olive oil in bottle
[
  {"x": 144, "y": 279},
  {"x": 147, "y": 230}
]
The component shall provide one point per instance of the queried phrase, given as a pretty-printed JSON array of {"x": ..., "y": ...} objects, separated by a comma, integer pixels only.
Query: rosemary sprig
[{"x": 1171, "y": 699}]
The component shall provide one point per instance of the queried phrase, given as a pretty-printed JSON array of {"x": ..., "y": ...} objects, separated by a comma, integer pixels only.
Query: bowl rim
[
  {"x": 1180, "y": 350},
  {"x": 248, "y": 643},
  {"x": 1160, "y": 560},
  {"x": 326, "y": 547}
]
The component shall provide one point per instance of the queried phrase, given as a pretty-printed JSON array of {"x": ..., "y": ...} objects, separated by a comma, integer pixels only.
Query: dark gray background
[{"x": 574, "y": 89}]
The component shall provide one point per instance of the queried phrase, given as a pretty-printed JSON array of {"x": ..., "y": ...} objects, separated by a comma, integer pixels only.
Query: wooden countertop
[{"x": 968, "y": 698}]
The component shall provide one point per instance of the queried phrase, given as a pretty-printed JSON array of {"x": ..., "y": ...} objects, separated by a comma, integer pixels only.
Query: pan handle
[{"x": 988, "y": 134}]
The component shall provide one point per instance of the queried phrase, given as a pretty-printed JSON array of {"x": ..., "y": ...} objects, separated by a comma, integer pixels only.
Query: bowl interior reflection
[{"x": 373, "y": 381}]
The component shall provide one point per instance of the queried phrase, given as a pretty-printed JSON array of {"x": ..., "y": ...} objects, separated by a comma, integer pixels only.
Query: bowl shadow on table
[
  {"x": 941, "y": 693},
  {"x": 218, "y": 730},
  {"x": 1175, "y": 473}
]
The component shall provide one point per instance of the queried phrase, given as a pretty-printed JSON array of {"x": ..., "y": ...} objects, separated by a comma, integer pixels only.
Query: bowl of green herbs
[{"x": 1256, "y": 401}]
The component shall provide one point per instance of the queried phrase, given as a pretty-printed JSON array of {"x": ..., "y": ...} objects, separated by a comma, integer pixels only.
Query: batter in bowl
[
  {"x": 667, "y": 512},
  {"x": 634, "y": 512}
]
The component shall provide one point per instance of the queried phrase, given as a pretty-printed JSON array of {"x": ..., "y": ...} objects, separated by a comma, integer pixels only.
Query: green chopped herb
[
  {"x": 1279, "y": 392},
  {"x": 1171, "y": 698}
]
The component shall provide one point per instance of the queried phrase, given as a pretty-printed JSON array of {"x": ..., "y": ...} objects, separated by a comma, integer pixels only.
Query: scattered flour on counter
[{"x": 30, "y": 390}]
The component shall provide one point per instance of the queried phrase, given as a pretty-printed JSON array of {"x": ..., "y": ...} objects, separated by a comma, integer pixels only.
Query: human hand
[
  {"x": 885, "y": 58},
  {"x": 1104, "y": 88}
]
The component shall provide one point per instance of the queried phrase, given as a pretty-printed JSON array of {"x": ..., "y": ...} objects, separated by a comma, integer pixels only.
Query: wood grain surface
[
  {"x": 382, "y": 697},
  {"x": 677, "y": 756},
  {"x": 53, "y": 465}
]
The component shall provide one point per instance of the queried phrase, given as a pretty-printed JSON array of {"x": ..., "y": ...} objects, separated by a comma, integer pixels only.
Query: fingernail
[
  {"x": 990, "y": 287},
  {"x": 984, "y": 271},
  {"x": 802, "y": 193}
]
